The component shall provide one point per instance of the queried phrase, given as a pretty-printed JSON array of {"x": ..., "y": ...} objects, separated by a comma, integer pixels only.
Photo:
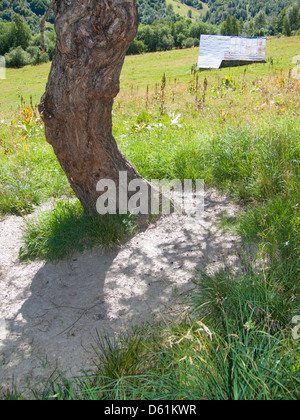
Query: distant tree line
[{"x": 162, "y": 35}]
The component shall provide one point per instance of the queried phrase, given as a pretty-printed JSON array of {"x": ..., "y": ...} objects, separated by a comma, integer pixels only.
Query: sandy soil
[{"x": 50, "y": 314}]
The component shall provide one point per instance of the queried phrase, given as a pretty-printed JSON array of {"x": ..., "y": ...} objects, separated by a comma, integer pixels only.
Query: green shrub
[
  {"x": 50, "y": 50},
  {"x": 40, "y": 58},
  {"x": 33, "y": 50},
  {"x": 17, "y": 58},
  {"x": 188, "y": 43},
  {"x": 136, "y": 47}
]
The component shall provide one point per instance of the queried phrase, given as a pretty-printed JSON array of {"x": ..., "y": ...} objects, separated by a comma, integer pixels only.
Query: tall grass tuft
[{"x": 59, "y": 233}]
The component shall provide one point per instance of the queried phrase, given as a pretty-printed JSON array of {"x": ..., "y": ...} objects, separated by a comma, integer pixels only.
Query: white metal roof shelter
[{"x": 215, "y": 49}]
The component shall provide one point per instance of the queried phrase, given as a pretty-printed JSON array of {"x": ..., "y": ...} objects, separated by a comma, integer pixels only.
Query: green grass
[
  {"x": 65, "y": 229},
  {"x": 28, "y": 83},
  {"x": 31, "y": 80},
  {"x": 252, "y": 163},
  {"x": 276, "y": 225}
]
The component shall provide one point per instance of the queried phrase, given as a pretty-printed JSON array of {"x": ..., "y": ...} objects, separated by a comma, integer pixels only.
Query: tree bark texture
[{"x": 92, "y": 39}]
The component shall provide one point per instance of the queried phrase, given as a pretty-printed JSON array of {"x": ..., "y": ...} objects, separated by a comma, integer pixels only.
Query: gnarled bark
[{"x": 92, "y": 39}]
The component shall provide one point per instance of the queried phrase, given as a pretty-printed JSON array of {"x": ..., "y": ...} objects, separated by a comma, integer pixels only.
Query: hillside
[
  {"x": 193, "y": 10},
  {"x": 245, "y": 9}
]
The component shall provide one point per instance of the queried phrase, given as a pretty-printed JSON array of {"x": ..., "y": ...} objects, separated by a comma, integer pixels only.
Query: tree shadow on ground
[{"x": 65, "y": 305}]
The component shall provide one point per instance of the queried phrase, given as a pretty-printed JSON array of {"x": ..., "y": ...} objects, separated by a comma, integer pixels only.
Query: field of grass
[
  {"x": 147, "y": 69},
  {"x": 182, "y": 9},
  {"x": 239, "y": 130}
]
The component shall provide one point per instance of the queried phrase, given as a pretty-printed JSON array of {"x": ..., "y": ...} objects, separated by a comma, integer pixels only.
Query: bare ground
[{"x": 50, "y": 313}]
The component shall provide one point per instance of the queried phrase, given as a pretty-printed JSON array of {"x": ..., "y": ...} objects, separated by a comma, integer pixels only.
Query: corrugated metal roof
[{"x": 214, "y": 49}]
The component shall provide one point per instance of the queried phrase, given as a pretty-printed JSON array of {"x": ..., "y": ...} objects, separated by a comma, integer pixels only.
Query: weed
[{"x": 162, "y": 95}]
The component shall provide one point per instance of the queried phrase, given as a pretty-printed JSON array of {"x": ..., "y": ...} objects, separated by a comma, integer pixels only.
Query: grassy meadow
[
  {"x": 239, "y": 130},
  {"x": 182, "y": 9}
]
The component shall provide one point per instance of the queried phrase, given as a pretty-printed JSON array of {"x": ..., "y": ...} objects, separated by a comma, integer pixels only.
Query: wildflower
[
  {"x": 175, "y": 120},
  {"x": 249, "y": 325}
]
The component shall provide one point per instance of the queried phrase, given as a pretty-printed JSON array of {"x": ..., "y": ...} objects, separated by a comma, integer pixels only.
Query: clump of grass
[
  {"x": 253, "y": 164},
  {"x": 29, "y": 179},
  {"x": 58, "y": 233},
  {"x": 267, "y": 298},
  {"x": 252, "y": 311},
  {"x": 275, "y": 224}
]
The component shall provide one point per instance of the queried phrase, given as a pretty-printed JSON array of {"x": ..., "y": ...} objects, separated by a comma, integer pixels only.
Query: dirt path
[{"x": 50, "y": 314}]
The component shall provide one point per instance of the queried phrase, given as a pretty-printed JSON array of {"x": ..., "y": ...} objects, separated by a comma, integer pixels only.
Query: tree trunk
[{"x": 92, "y": 39}]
